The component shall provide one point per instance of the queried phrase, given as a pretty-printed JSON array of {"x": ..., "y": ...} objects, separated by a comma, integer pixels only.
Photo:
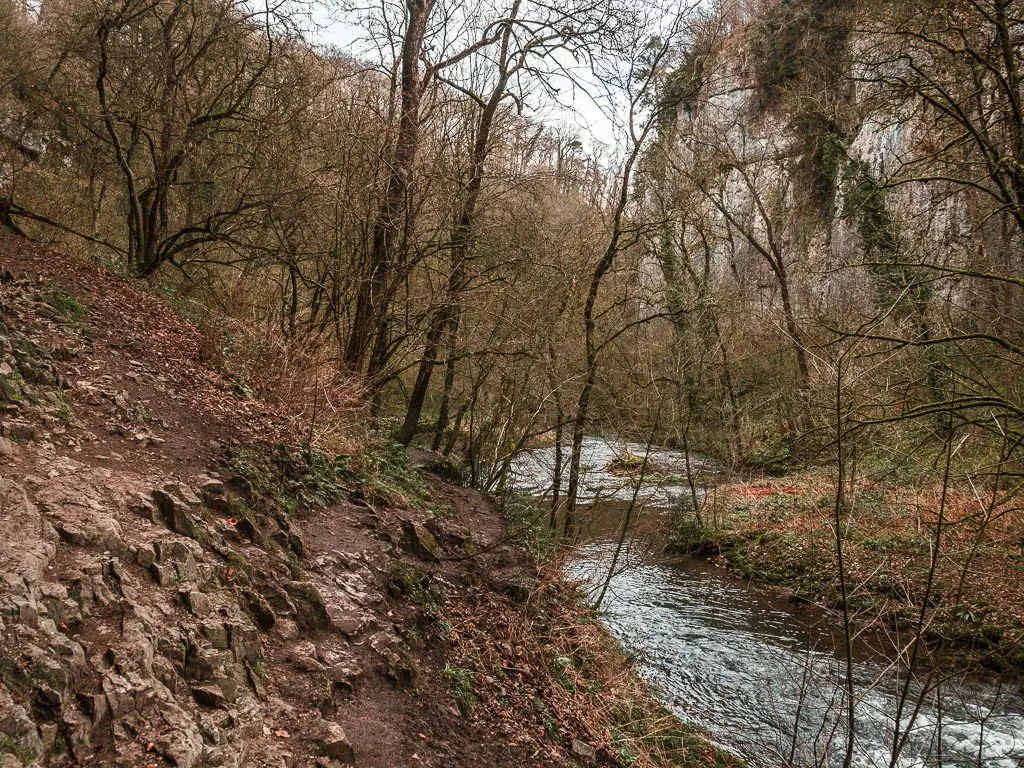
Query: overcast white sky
[{"x": 574, "y": 109}]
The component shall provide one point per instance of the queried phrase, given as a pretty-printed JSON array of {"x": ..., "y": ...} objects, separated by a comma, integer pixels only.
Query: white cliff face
[
  {"x": 19, "y": 144},
  {"x": 737, "y": 161}
]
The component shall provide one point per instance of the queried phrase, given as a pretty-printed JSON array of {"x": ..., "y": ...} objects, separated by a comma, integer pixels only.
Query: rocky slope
[{"x": 171, "y": 598}]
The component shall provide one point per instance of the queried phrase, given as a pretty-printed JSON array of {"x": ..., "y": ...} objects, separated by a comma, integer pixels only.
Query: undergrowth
[
  {"x": 462, "y": 683},
  {"x": 379, "y": 474},
  {"x": 552, "y": 663},
  {"x": 527, "y": 524},
  {"x": 780, "y": 532}
]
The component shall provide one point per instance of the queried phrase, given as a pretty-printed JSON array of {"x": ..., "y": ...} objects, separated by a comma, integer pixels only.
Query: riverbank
[
  {"x": 781, "y": 531},
  {"x": 186, "y": 583}
]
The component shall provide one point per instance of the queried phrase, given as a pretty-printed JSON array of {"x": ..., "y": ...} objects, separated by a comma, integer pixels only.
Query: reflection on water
[
  {"x": 760, "y": 675},
  {"x": 534, "y": 471},
  {"x": 743, "y": 664}
]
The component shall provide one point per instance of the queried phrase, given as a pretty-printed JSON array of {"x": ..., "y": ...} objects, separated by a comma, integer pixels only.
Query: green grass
[
  {"x": 69, "y": 308},
  {"x": 415, "y": 583},
  {"x": 380, "y": 474},
  {"x": 294, "y": 565},
  {"x": 461, "y": 681},
  {"x": 690, "y": 535},
  {"x": 64, "y": 411},
  {"x": 8, "y": 746}
]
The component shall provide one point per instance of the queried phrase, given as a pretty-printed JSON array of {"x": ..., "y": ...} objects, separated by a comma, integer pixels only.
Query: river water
[{"x": 762, "y": 676}]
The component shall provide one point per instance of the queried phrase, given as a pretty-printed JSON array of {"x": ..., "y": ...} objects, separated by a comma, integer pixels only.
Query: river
[{"x": 761, "y": 675}]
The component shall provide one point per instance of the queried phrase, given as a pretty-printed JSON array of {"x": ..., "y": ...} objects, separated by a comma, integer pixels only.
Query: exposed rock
[
  {"x": 242, "y": 487},
  {"x": 103, "y": 534},
  {"x": 184, "y": 493},
  {"x": 16, "y": 725},
  {"x": 218, "y": 504},
  {"x": 333, "y": 743},
  {"x": 244, "y": 643},
  {"x": 583, "y": 751},
  {"x": 261, "y": 611},
  {"x": 164, "y": 575},
  {"x": 287, "y": 629},
  {"x": 177, "y": 514},
  {"x": 25, "y": 556},
  {"x": 217, "y": 634},
  {"x": 209, "y": 487},
  {"x": 8, "y": 449},
  {"x": 288, "y": 540},
  {"x": 449, "y": 534},
  {"x": 203, "y": 664},
  {"x": 401, "y": 668},
  {"x": 10, "y": 392},
  {"x": 175, "y": 562},
  {"x": 421, "y": 542},
  {"x": 78, "y": 728},
  {"x": 384, "y": 642},
  {"x": 19, "y": 430},
  {"x": 310, "y": 610},
  {"x": 348, "y": 622},
  {"x": 303, "y": 657},
  {"x": 143, "y": 507},
  {"x": 344, "y": 677},
  {"x": 210, "y": 696},
  {"x": 197, "y": 603},
  {"x": 247, "y": 528}
]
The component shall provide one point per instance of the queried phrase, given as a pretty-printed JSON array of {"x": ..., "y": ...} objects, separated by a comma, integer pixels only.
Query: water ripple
[{"x": 737, "y": 663}]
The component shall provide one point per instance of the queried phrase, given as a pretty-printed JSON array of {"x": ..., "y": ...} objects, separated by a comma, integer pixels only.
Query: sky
[{"x": 573, "y": 109}]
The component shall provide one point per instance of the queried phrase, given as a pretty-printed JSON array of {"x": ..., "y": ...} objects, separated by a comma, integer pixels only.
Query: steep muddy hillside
[{"x": 180, "y": 589}]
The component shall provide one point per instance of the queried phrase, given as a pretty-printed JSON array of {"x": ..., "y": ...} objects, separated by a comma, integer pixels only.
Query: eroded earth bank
[{"x": 181, "y": 587}]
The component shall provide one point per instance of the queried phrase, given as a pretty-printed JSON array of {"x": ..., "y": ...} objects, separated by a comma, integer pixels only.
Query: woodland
[
  {"x": 802, "y": 248},
  {"x": 797, "y": 247}
]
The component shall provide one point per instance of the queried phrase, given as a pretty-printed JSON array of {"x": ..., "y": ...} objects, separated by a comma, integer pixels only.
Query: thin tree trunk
[
  {"x": 419, "y": 389},
  {"x": 793, "y": 329},
  {"x": 840, "y": 503},
  {"x": 590, "y": 343},
  {"x": 372, "y": 296},
  {"x": 556, "y": 483},
  {"x": 734, "y": 411},
  {"x": 447, "y": 317},
  {"x": 446, "y": 398},
  {"x": 456, "y": 427}
]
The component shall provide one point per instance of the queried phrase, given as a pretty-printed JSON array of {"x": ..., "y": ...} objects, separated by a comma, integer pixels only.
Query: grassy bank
[{"x": 969, "y": 578}]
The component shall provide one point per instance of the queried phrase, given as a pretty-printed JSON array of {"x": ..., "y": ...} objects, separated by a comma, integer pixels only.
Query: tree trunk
[
  {"x": 372, "y": 296},
  {"x": 446, "y": 398},
  {"x": 447, "y": 317},
  {"x": 589, "y": 325},
  {"x": 556, "y": 484},
  {"x": 803, "y": 372},
  {"x": 419, "y": 390}
]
